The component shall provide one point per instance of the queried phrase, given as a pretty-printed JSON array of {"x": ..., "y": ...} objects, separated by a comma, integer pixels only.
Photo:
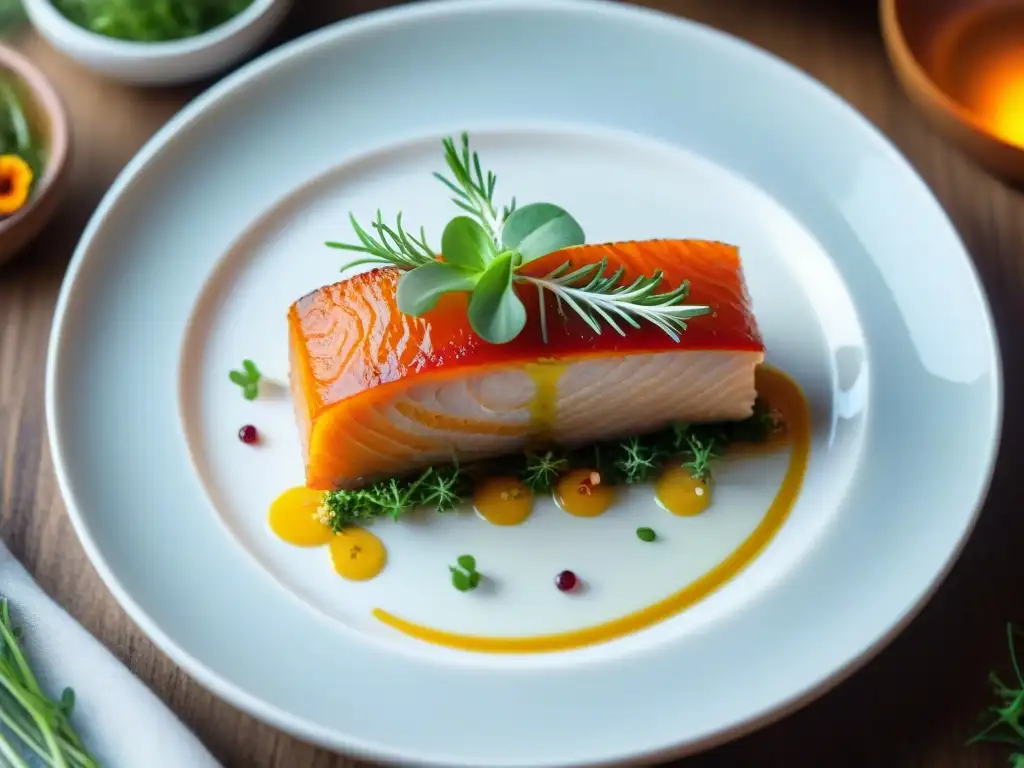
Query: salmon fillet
[{"x": 380, "y": 393}]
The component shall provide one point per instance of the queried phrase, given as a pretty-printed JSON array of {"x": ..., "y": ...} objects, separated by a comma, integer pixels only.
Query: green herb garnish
[
  {"x": 637, "y": 459},
  {"x": 646, "y": 534},
  {"x": 439, "y": 488},
  {"x": 34, "y": 723},
  {"x": 465, "y": 576},
  {"x": 1006, "y": 726},
  {"x": 248, "y": 379},
  {"x": 631, "y": 460},
  {"x": 542, "y": 470},
  {"x": 484, "y": 251},
  {"x": 702, "y": 453},
  {"x": 150, "y": 21}
]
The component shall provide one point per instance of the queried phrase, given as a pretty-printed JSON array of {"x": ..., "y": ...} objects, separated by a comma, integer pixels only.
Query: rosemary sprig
[
  {"x": 483, "y": 255},
  {"x": 473, "y": 190},
  {"x": 595, "y": 296},
  {"x": 392, "y": 247}
]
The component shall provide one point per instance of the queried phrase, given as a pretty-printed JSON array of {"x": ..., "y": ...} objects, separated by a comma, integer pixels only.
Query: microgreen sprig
[
  {"x": 248, "y": 379},
  {"x": 484, "y": 251},
  {"x": 465, "y": 576}
]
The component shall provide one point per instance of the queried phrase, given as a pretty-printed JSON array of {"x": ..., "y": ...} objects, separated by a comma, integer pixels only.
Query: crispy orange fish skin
[{"x": 367, "y": 379}]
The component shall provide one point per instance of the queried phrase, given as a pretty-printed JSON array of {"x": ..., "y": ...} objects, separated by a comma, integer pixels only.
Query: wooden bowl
[
  {"x": 45, "y": 111},
  {"x": 931, "y": 44}
]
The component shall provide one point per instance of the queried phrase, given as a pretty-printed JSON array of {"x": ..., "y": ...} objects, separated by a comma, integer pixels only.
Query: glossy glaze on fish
[{"x": 380, "y": 393}]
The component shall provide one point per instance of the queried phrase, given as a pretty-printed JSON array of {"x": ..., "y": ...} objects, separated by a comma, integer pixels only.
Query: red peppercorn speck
[
  {"x": 248, "y": 434},
  {"x": 565, "y": 581}
]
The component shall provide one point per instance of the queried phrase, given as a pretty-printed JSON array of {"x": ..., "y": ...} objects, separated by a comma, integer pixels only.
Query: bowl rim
[
  {"x": 46, "y": 99},
  {"x": 48, "y": 18},
  {"x": 907, "y": 64}
]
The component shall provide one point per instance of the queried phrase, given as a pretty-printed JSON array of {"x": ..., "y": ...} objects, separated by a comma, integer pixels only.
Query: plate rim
[{"x": 379, "y": 20}]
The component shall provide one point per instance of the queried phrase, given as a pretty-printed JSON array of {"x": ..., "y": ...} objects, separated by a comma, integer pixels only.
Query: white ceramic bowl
[{"x": 163, "y": 63}]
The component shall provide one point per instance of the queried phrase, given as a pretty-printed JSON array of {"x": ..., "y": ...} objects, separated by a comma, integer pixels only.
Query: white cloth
[{"x": 121, "y": 722}]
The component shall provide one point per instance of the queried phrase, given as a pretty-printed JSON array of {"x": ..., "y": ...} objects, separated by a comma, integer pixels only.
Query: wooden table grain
[{"x": 913, "y": 705}]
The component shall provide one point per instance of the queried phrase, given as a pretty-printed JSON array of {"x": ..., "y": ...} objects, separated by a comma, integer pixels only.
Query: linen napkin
[{"x": 122, "y": 722}]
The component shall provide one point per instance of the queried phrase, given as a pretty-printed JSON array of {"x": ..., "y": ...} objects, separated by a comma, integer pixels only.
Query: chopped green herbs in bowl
[
  {"x": 156, "y": 42},
  {"x": 150, "y": 20}
]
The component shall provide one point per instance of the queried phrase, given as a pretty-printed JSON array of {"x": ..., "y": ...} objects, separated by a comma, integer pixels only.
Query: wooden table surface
[{"x": 914, "y": 705}]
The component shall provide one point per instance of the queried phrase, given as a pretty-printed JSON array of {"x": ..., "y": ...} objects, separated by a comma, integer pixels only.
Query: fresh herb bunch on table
[
  {"x": 30, "y": 722},
  {"x": 150, "y": 21},
  {"x": 1006, "y": 717}
]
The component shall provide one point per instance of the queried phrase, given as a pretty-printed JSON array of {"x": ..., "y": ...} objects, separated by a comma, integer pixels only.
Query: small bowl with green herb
[
  {"x": 34, "y": 148},
  {"x": 156, "y": 42}
]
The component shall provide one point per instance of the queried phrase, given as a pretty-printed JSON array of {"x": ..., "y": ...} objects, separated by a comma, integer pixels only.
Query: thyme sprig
[{"x": 485, "y": 251}]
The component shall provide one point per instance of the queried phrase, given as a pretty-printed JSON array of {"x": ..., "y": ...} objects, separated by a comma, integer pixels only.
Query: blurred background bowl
[
  {"x": 46, "y": 114},
  {"x": 160, "y": 63},
  {"x": 961, "y": 62}
]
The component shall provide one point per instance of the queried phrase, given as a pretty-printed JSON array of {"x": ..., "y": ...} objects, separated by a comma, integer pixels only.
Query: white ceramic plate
[{"x": 642, "y": 126}]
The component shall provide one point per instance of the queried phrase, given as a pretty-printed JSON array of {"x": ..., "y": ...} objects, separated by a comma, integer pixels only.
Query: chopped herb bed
[{"x": 628, "y": 461}]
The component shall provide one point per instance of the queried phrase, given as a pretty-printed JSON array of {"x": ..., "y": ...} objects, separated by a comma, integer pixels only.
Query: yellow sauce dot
[
  {"x": 578, "y": 496},
  {"x": 293, "y": 518},
  {"x": 357, "y": 555},
  {"x": 680, "y": 493},
  {"x": 503, "y": 501}
]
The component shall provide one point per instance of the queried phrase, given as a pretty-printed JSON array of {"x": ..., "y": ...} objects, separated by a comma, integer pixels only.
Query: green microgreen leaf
[
  {"x": 465, "y": 577},
  {"x": 248, "y": 379},
  {"x": 420, "y": 288},
  {"x": 496, "y": 312},
  {"x": 460, "y": 579},
  {"x": 538, "y": 229},
  {"x": 646, "y": 534},
  {"x": 465, "y": 243}
]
